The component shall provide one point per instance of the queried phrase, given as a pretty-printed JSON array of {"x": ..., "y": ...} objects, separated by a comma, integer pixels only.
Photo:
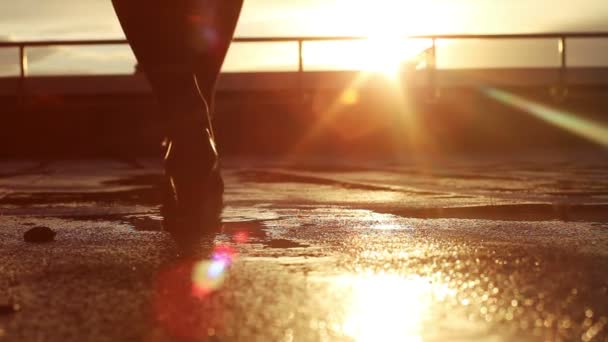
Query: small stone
[
  {"x": 8, "y": 308},
  {"x": 39, "y": 234},
  {"x": 284, "y": 243}
]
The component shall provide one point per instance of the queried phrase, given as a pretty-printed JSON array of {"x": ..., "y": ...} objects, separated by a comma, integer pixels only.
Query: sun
[
  {"x": 387, "y": 22},
  {"x": 382, "y": 54},
  {"x": 386, "y": 54},
  {"x": 385, "y": 26}
]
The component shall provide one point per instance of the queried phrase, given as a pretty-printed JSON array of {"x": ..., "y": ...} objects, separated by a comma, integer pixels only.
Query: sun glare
[
  {"x": 385, "y": 23},
  {"x": 382, "y": 56},
  {"x": 386, "y": 53}
]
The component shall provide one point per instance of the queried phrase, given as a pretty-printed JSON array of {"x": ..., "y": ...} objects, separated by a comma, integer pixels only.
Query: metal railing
[{"x": 562, "y": 37}]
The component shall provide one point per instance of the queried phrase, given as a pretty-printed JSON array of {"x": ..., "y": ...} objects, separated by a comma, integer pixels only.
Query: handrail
[
  {"x": 300, "y": 40},
  {"x": 599, "y": 34},
  {"x": 22, "y": 45}
]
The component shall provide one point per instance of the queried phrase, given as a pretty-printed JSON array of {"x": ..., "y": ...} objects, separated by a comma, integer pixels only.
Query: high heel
[{"x": 193, "y": 194}]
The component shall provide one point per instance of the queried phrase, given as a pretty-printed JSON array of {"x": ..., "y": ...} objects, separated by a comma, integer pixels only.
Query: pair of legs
[{"x": 181, "y": 45}]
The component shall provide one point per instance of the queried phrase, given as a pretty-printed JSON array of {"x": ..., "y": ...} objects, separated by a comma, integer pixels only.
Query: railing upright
[
  {"x": 301, "y": 71},
  {"x": 22, "y": 75},
  {"x": 562, "y": 88},
  {"x": 559, "y": 91},
  {"x": 432, "y": 69}
]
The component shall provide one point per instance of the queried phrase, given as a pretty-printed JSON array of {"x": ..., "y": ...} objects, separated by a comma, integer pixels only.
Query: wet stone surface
[{"x": 461, "y": 250}]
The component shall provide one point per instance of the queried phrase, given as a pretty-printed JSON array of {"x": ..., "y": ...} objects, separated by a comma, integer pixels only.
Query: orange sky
[{"x": 68, "y": 19}]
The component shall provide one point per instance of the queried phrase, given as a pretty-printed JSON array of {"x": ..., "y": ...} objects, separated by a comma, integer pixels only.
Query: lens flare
[
  {"x": 328, "y": 118},
  {"x": 349, "y": 97},
  {"x": 585, "y": 128},
  {"x": 241, "y": 237},
  {"x": 184, "y": 299},
  {"x": 207, "y": 277},
  {"x": 223, "y": 253}
]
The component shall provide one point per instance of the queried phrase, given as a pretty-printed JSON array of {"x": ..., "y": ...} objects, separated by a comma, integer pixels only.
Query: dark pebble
[
  {"x": 7, "y": 309},
  {"x": 283, "y": 243},
  {"x": 39, "y": 235}
]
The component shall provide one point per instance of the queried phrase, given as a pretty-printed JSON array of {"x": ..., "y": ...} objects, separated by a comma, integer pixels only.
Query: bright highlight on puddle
[
  {"x": 386, "y": 307},
  {"x": 384, "y": 222}
]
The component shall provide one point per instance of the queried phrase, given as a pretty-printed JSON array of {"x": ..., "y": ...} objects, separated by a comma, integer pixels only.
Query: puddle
[
  {"x": 256, "y": 232},
  {"x": 146, "y": 223},
  {"x": 245, "y": 231},
  {"x": 578, "y": 193},
  {"x": 150, "y": 179},
  {"x": 453, "y": 197},
  {"x": 140, "y": 189},
  {"x": 258, "y": 176},
  {"x": 38, "y": 169},
  {"x": 512, "y": 212},
  {"x": 284, "y": 243},
  {"x": 145, "y": 196}
]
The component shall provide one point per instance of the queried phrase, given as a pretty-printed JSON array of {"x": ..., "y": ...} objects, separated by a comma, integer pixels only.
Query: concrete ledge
[{"x": 278, "y": 81}]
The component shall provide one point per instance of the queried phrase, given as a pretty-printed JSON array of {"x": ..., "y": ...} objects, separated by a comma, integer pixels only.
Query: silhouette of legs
[{"x": 181, "y": 45}]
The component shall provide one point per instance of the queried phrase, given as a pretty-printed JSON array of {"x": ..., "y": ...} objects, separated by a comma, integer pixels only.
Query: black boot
[{"x": 193, "y": 201}]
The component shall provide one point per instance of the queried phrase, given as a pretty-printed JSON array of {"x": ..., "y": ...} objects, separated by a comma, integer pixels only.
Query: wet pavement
[{"x": 317, "y": 250}]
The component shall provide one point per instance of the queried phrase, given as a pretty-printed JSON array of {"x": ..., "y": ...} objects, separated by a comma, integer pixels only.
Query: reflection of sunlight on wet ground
[
  {"x": 384, "y": 222},
  {"x": 338, "y": 195},
  {"x": 384, "y": 307}
]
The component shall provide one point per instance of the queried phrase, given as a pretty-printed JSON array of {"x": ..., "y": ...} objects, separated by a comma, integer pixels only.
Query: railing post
[
  {"x": 300, "y": 56},
  {"x": 561, "y": 91},
  {"x": 22, "y": 75},
  {"x": 22, "y": 61},
  {"x": 301, "y": 72},
  {"x": 432, "y": 69}
]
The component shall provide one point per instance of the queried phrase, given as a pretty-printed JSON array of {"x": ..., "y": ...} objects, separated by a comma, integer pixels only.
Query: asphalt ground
[{"x": 475, "y": 249}]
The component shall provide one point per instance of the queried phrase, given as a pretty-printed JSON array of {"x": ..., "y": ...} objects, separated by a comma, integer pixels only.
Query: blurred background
[{"x": 382, "y": 95}]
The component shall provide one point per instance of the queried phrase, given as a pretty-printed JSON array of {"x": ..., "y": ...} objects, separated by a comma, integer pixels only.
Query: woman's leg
[{"x": 181, "y": 45}]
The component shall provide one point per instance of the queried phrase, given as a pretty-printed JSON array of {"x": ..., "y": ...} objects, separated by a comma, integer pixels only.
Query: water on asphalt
[{"x": 467, "y": 250}]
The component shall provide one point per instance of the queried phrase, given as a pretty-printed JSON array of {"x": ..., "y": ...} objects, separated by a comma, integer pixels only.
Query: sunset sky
[{"x": 95, "y": 19}]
